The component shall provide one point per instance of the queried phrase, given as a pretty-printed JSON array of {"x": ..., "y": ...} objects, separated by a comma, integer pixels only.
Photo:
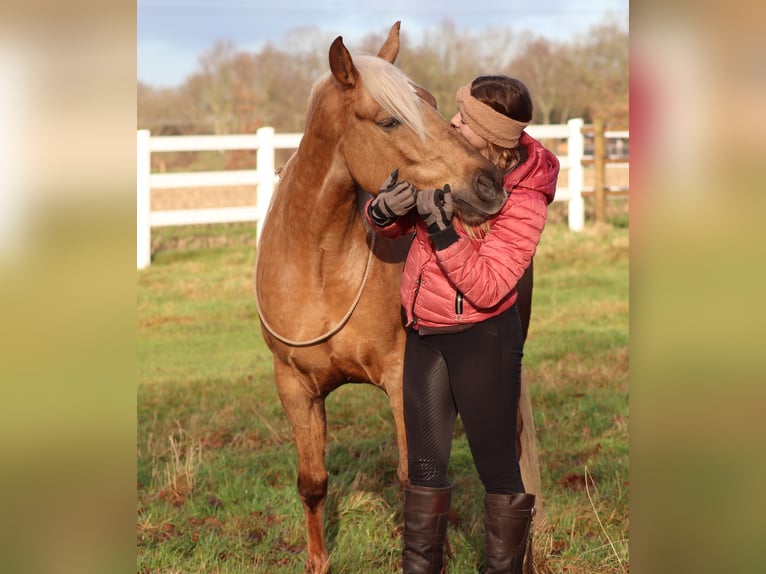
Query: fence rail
[{"x": 265, "y": 141}]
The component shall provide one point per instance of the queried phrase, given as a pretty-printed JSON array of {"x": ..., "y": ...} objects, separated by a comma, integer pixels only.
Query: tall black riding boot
[
  {"x": 508, "y": 529},
  {"x": 426, "y": 514}
]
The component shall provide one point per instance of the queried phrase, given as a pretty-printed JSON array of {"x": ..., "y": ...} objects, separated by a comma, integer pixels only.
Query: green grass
[{"x": 216, "y": 465}]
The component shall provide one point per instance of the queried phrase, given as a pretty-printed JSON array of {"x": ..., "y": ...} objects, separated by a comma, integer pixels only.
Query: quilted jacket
[{"x": 474, "y": 279}]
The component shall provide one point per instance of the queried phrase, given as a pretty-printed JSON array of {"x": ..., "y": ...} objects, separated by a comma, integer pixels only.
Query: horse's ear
[
  {"x": 390, "y": 49},
  {"x": 341, "y": 64},
  {"x": 424, "y": 95}
]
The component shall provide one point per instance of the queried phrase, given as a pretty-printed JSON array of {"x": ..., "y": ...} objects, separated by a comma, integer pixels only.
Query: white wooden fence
[{"x": 265, "y": 142}]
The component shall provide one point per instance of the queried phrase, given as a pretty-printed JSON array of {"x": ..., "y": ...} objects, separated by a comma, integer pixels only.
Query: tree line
[{"x": 236, "y": 91}]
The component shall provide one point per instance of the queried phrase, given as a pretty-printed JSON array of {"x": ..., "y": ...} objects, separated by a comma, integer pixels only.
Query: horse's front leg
[{"x": 306, "y": 413}]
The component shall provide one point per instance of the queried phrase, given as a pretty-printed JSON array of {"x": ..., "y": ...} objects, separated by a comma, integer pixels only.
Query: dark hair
[
  {"x": 511, "y": 98},
  {"x": 506, "y": 95}
]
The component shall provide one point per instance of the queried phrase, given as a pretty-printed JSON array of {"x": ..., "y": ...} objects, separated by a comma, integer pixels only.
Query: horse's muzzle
[{"x": 489, "y": 188}]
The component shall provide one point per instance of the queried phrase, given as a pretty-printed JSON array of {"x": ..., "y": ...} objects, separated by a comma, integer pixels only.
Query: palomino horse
[{"x": 326, "y": 286}]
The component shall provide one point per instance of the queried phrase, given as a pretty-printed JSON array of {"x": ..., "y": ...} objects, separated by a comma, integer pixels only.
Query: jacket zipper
[
  {"x": 458, "y": 303},
  {"x": 414, "y": 300}
]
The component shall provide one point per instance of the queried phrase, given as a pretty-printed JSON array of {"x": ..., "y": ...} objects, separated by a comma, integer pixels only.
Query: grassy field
[{"x": 217, "y": 468}]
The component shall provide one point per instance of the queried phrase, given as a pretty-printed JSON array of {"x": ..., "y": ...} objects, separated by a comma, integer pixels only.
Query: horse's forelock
[{"x": 391, "y": 88}]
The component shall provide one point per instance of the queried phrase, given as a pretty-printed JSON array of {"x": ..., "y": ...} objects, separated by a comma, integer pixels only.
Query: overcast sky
[{"x": 172, "y": 34}]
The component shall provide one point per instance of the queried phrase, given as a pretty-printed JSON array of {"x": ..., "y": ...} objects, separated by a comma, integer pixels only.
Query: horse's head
[{"x": 387, "y": 121}]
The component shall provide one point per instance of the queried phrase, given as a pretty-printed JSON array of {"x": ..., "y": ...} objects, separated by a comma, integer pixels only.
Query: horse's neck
[{"x": 323, "y": 202}]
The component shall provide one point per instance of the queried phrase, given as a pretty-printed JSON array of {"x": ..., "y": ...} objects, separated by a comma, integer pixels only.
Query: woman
[{"x": 464, "y": 336}]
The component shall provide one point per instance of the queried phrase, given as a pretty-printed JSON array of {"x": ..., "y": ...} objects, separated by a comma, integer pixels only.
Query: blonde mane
[
  {"x": 388, "y": 86},
  {"x": 391, "y": 88}
]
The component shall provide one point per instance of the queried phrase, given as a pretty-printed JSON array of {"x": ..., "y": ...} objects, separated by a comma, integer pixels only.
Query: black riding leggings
[{"x": 477, "y": 374}]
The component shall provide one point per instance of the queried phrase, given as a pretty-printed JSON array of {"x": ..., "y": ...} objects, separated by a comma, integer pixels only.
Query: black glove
[
  {"x": 393, "y": 200},
  {"x": 436, "y": 207}
]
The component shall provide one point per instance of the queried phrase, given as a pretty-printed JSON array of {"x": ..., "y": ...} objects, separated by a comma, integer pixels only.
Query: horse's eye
[{"x": 389, "y": 123}]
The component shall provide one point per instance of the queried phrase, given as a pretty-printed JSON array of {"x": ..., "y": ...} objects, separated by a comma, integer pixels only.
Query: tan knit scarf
[{"x": 488, "y": 123}]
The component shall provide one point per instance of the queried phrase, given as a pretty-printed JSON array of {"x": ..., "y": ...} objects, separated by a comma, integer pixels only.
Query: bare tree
[
  {"x": 542, "y": 66},
  {"x": 235, "y": 91},
  {"x": 442, "y": 62},
  {"x": 604, "y": 68},
  {"x": 283, "y": 82},
  {"x": 214, "y": 86},
  {"x": 167, "y": 111}
]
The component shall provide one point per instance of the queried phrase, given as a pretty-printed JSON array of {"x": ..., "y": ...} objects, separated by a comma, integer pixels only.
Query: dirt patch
[{"x": 204, "y": 197}]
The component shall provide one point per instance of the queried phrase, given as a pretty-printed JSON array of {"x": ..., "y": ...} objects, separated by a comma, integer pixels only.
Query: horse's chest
[{"x": 341, "y": 359}]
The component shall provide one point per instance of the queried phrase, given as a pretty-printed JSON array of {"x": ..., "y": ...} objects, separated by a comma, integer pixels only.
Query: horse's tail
[{"x": 529, "y": 459}]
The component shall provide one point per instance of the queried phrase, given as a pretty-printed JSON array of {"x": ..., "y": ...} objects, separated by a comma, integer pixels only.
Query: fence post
[
  {"x": 143, "y": 201},
  {"x": 576, "y": 151},
  {"x": 599, "y": 169},
  {"x": 265, "y": 167}
]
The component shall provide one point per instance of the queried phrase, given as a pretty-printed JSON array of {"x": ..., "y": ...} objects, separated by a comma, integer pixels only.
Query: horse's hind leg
[
  {"x": 393, "y": 388},
  {"x": 306, "y": 413}
]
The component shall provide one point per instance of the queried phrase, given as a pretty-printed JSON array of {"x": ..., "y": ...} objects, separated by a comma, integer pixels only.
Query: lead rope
[{"x": 337, "y": 327}]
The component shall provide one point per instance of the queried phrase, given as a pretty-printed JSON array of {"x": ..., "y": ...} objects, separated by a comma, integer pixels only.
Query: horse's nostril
[{"x": 486, "y": 187}]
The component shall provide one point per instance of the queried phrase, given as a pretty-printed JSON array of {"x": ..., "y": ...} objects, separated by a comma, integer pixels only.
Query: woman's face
[{"x": 465, "y": 130}]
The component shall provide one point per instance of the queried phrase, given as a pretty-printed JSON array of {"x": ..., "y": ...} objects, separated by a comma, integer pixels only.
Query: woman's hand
[
  {"x": 436, "y": 207},
  {"x": 394, "y": 200}
]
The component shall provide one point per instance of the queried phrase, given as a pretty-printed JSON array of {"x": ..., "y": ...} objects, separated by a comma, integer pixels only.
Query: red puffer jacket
[{"x": 474, "y": 279}]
